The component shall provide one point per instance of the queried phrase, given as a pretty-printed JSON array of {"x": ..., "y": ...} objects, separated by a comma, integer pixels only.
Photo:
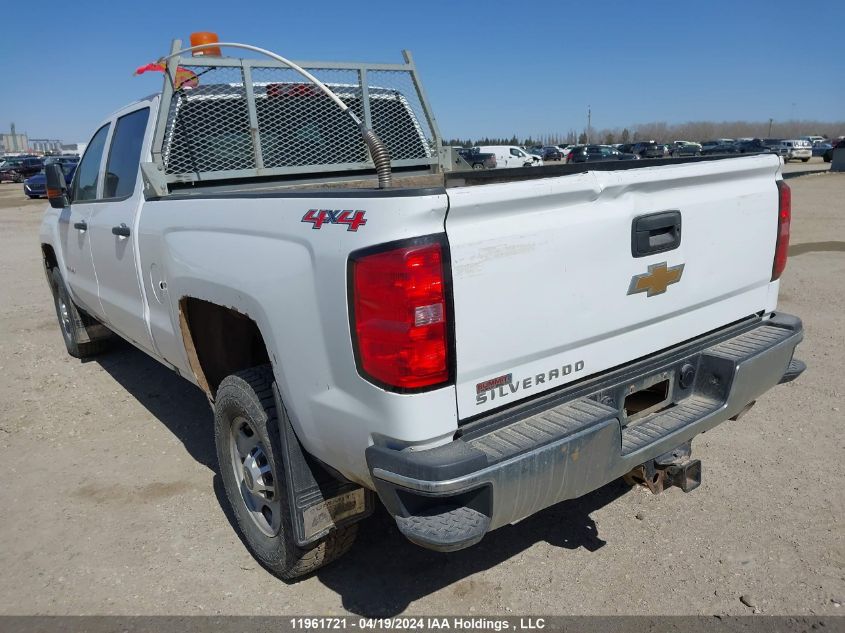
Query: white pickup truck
[{"x": 469, "y": 347}]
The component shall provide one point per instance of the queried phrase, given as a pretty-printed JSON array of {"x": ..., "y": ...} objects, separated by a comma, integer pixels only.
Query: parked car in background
[
  {"x": 478, "y": 159},
  {"x": 685, "y": 148},
  {"x": 36, "y": 186},
  {"x": 511, "y": 156},
  {"x": 535, "y": 150},
  {"x": 564, "y": 150},
  {"x": 828, "y": 153},
  {"x": 820, "y": 148},
  {"x": 752, "y": 147},
  {"x": 20, "y": 168},
  {"x": 720, "y": 148},
  {"x": 648, "y": 149},
  {"x": 813, "y": 139},
  {"x": 774, "y": 146},
  {"x": 796, "y": 149},
  {"x": 595, "y": 153},
  {"x": 551, "y": 152}
]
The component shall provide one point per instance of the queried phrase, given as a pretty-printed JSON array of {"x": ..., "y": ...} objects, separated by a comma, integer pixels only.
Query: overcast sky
[{"x": 490, "y": 68}]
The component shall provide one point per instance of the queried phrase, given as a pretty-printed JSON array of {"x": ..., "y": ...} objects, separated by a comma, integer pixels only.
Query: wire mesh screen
[
  {"x": 286, "y": 124},
  {"x": 298, "y": 124},
  {"x": 208, "y": 125},
  {"x": 398, "y": 116}
]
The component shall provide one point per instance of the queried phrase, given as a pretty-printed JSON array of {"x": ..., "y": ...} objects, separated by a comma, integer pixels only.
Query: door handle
[
  {"x": 80, "y": 226},
  {"x": 121, "y": 231},
  {"x": 655, "y": 233}
]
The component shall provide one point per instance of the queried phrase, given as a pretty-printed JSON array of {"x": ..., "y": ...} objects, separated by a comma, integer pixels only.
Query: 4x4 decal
[{"x": 319, "y": 217}]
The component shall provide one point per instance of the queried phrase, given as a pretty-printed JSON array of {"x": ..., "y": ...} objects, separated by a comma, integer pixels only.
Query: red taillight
[
  {"x": 400, "y": 317},
  {"x": 784, "y": 219}
]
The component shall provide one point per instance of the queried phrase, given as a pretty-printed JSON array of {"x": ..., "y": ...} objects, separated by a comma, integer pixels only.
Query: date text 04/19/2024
[{"x": 419, "y": 623}]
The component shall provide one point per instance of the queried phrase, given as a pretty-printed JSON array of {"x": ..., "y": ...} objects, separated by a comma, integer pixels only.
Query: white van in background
[
  {"x": 796, "y": 149},
  {"x": 511, "y": 156}
]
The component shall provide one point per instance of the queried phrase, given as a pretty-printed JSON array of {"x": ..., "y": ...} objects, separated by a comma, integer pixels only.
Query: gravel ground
[{"x": 111, "y": 504}]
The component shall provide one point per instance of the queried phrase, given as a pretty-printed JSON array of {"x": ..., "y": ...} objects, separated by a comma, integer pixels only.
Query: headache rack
[{"x": 225, "y": 118}]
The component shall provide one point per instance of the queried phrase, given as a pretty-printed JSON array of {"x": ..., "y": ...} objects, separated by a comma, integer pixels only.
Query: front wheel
[
  {"x": 83, "y": 336},
  {"x": 478, "y": 166},
  {"x": 804, "y": 160},
  {"x": 246, "y": 433}
]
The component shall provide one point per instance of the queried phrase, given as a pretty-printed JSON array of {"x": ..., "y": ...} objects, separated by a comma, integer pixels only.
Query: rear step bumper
[{"x": 513, "y": 464}]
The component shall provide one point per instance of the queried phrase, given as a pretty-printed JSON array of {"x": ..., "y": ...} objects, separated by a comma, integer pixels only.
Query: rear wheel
[
  {"x": 76, "y": 326},
  {"x": 478, "y": 166},
  {"x": 804, "y": 160},
  {"x": 246, "y": 433}
]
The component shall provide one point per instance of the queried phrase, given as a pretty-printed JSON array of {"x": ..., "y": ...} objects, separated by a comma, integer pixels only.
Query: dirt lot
[{"x": 110, "y": 502}]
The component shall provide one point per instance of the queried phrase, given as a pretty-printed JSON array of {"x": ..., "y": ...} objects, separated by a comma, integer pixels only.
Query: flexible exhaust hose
[
  {"x": 378, "y": 151},
  {"x": 381, "y": 157}
]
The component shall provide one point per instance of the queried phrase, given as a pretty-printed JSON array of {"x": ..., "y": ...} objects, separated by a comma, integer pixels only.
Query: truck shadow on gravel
[
  {"x": 383, "y": 573},
  {"x": 175, "y": 402}
]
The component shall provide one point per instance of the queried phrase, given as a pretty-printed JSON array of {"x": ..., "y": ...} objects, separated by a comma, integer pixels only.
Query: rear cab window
[{"x": 125, "y": 154}]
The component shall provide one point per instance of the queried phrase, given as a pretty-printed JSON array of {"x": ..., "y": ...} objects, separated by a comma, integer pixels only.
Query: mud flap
[{"x": 319, "y": 500}]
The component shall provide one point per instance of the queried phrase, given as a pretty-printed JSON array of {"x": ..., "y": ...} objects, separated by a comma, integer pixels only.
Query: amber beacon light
[{"x": 205, "y": 37}]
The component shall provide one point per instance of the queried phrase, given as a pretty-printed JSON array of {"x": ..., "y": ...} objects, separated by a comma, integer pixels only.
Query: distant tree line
[{"x": 661, "y": 131}]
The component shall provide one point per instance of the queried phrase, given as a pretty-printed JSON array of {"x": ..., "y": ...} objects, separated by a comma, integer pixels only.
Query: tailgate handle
[{"x": 655, "y": 233}]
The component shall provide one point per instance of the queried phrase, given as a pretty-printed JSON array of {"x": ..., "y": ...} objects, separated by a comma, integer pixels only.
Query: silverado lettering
[{"x": 503, "y": 391}]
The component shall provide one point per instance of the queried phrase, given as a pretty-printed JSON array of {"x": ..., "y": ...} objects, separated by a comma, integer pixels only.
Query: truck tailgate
[{"x": 547, "y": 290}]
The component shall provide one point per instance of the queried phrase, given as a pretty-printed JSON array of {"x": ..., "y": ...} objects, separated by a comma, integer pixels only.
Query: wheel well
[
  {"x": 50, "y": 261},
  {"x": 219, "y": 341}
]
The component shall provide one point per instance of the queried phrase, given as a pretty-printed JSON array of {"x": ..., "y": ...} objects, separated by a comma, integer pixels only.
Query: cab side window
[
  {"x": 125, "y": 154},
  {"x": 516, "y": 152},
  {"x": 88, "y": 174}
]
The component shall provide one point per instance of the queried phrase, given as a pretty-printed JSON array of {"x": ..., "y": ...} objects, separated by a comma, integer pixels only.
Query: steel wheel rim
[
  {"x": 254, "y": 476},
  {"x": 64, "y": 315}
]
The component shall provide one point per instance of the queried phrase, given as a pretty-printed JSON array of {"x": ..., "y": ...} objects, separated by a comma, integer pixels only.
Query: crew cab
[{"x": 468, "y": 347}]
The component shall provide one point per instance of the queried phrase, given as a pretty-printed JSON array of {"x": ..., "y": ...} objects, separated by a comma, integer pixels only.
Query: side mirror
[{"x": 56, "y": 187}]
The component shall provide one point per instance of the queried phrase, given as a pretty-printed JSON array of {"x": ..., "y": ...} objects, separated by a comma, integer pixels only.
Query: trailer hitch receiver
[{"x": 675, "y": 468}]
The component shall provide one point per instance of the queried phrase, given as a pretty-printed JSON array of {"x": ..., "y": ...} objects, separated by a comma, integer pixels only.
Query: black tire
[
  {"x": 247, "y": 397},
  {"x": 478, "y": 165},
  {"x": 32, "y": 197},
  {"x": 804, "y": 160},
  {"x": 73, "y": 323}
]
